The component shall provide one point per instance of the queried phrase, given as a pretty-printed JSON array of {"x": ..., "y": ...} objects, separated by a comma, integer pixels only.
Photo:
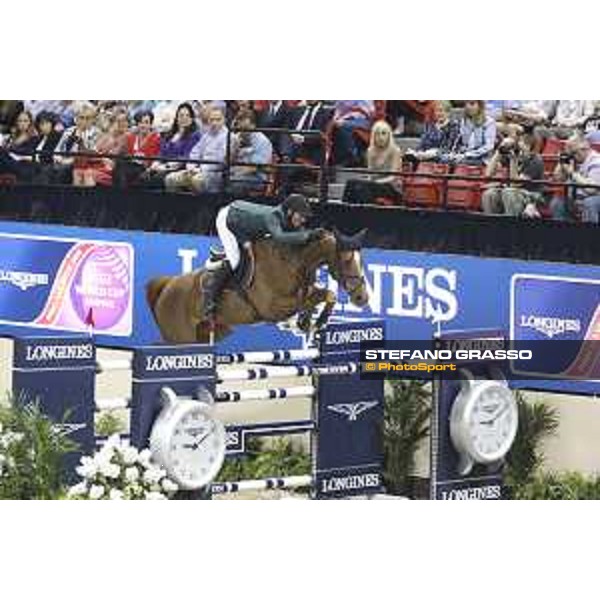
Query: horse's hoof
[{"x": 304, "y": 324}]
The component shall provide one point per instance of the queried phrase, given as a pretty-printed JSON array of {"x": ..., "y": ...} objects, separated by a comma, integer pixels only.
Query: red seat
[
  {"x": 554, "y": 146},
  {"x": 466, "y": 193},
  {"x": 425, "y": 191},
  {"x": 7, "y": 179},
  {"x": 552, "y": 149}
]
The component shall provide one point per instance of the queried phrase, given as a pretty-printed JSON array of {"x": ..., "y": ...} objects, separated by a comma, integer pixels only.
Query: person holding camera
[
  {"x": 251, "y": 152},
  {"x": 579, "y": 164},
  {"x": 522, "y": 196}
]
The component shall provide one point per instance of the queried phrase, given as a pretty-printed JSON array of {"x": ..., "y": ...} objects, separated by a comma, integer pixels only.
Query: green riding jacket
[{"x": 250, "y": 221}]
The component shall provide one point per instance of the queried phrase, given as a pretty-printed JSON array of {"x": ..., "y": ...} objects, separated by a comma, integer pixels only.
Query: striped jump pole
[
  {"x": 269, "y": 483},
  {"x": 299, "y": 391},
  {"x": 268, "y": 356},
  {"x": 278, "y": 372}
]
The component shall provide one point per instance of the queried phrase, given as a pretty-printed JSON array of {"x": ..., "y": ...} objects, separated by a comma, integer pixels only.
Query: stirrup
[{"x": 216, "y": 254}]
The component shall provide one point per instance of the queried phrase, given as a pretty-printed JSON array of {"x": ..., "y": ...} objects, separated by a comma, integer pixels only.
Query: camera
[
  {"x": 507, "y": 150},
  {"x": 508, "y": 147},
  {"x": 565, "y": 158}
]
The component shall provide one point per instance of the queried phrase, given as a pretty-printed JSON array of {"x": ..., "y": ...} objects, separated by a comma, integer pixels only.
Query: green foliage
[
  {"x": 32, "y": 448},
  {"x": 561, "y": 486},
  {"x": 262, "y": 460},
  {"x": 406, "y": 424},
  {"x": 108, "y": 423},
  {"x": 536, "y": 421}
]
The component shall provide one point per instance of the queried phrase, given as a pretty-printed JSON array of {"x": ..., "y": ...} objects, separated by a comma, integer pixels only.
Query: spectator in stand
[
  {"x": 382, "y": 155},
  {"x": 142, "y": 142},
  {"x": 524, "y": 164},
  {"x": 566, "y": 118},
  {"x": 49, "y": 137},
  {"x": 349, "y": 117},
  {"x": 16, "y": 155},
  {"x": 580, "y": 165},
  {"x": 440, "y": 139},
  {"x": 528, "y": 113},
  {"x": 255, "y": 150},
  {"x": 571, "y": 115},
  {"x": 112, "y": 142},
  {"x": 9, "y": 111},
  {"x": 235, "y": 107},
  {"x": 165, "y": 112},
  {"x": 477, "y": 134},
  {"x": 277, "y": 114},
  {"x": 498, "y": 110},
  {"x": 203, "y": 109},
  {"x": 136, "y": 107},
  {"x": 62, "y": 109},
  {"x": 312, "y": 115},
  {"x": 591, "y": 127},
  {"x": 81, "y": 138},
  {"x": 212, "y": 148},
  {"x": 300, "y": 147},
  {"x": 409, "y": 117},
  {"x": 176, "y": 144}
]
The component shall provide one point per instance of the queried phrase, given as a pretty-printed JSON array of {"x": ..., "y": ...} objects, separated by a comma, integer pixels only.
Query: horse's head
[{"x": 347, "y": 269}]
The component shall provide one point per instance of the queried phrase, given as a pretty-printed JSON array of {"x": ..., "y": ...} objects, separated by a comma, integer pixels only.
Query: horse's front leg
[{"x": 313, "y": 298}]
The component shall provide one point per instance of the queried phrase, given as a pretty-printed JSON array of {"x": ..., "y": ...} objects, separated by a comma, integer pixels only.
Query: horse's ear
[
  {"x": 355, "y": 242},
  {"x": 359, "y": 238}
]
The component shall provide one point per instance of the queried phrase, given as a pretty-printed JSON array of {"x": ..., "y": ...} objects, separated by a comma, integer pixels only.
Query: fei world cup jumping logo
[{"x": 92, "y": 289}]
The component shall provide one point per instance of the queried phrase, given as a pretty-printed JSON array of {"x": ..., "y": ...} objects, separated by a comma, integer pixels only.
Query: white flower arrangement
[
  {"x": 118, "y": 471},
  {"x": 8, "y": 439}
]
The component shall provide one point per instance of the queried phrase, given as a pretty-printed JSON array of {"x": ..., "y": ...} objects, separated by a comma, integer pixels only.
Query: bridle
[{"x": 351, "y": 282}]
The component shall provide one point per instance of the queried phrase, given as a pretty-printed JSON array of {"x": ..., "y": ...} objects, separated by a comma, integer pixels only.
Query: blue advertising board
[{"x": 55, "y": 278}]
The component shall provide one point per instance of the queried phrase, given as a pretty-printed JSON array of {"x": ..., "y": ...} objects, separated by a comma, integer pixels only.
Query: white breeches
[{"x": 228, "y": 239}]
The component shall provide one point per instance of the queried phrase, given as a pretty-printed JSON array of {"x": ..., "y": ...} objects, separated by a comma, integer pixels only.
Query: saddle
[{"x": 243, "y": 275}]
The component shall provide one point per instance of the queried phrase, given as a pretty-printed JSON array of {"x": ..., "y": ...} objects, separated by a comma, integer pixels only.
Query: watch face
[
  {"x": 196, "y": 448},
  {"x": 492, "y": 422}
]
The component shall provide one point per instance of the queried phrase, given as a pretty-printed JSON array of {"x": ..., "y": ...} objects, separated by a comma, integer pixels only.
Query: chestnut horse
[{"x": 282, "y": 285}]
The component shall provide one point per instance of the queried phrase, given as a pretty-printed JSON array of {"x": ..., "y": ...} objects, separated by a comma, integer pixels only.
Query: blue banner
[{"x": 97, "y": 279}]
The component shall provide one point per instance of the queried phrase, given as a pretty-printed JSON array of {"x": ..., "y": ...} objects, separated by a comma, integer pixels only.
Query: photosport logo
[{"x": 550, "y": 326}]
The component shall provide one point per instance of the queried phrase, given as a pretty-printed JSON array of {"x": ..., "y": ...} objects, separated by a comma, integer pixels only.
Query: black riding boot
[{"x": 214, "y": 282}]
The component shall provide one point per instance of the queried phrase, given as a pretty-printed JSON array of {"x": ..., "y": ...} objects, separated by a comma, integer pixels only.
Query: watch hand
[
  {"x": 206, "y": 435},
  {"x": 190, "y": 446},
  {"x": 500, "y": 412}
]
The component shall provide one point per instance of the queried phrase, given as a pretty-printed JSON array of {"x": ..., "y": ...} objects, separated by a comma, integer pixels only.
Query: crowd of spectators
[{"x": 206, "y": 146}]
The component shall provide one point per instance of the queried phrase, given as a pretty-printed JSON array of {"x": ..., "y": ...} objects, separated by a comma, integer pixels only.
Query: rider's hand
[{"x": 317, "y": 234}]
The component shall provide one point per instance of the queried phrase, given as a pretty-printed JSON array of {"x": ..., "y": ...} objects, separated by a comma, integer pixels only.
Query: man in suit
[
  {"x": 276, "y": 114},
  {"x": 312, "y": 115}
]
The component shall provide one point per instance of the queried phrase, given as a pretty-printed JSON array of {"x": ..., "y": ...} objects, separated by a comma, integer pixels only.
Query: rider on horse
[{"x": 241, "y": 223}]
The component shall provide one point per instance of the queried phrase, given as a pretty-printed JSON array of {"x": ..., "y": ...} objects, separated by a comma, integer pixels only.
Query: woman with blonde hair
[
  {"x": 384, "y": 157},
  {"x": 79, "y": 139}
]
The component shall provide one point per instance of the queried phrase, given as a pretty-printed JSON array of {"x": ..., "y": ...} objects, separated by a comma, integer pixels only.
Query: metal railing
[{"x": 275, "y": 171}]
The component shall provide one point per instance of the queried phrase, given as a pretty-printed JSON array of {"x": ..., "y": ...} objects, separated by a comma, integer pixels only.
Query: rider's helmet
[{"x": 297, "y": 203}]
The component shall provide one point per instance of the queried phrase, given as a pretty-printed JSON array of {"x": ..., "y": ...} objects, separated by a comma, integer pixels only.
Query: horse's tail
[{"x": 154, "y": 289}]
